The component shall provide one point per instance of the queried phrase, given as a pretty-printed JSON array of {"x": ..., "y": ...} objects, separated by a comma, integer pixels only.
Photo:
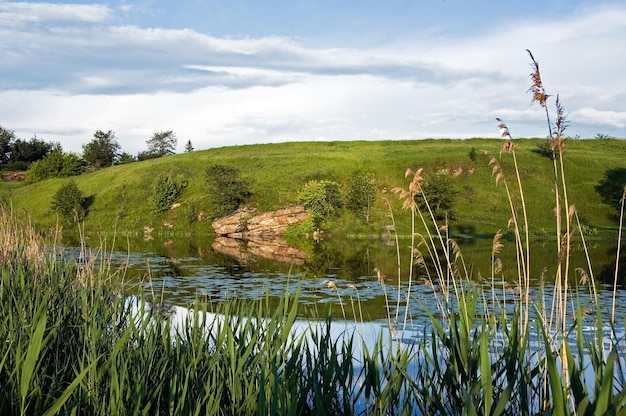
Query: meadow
[{"x": 119, "y": 196}]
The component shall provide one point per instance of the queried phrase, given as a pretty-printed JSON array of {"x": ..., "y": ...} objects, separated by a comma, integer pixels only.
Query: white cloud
[
  {"x": 65, "y": 81},
  {"x": 21, "y": 13},
  {"x": 598, "y": 117}
]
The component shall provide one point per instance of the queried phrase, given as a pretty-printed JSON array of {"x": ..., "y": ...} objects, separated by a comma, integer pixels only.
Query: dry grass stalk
[
  {"x": 19, "y": 241},
  {"x": 617, "y": 259}
]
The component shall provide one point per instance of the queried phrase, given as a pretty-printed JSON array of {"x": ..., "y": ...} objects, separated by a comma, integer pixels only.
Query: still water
[{"x": 348, "y": 277}]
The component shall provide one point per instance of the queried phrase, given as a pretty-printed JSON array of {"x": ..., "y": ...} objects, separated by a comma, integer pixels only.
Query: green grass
[{"x": 121, "y": 194}]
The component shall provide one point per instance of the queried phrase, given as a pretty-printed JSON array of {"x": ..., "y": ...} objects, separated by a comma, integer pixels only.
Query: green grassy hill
[{"x": 120, "y": 195}]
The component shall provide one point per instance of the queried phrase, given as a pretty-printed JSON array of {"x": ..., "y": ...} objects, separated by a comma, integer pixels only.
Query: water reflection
[
  {"x": 181, "y": 271},
  {"x": 248, "y": 250}
]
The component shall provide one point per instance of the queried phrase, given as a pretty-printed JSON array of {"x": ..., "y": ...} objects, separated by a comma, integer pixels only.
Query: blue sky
[{"x": 235, "y": 72}]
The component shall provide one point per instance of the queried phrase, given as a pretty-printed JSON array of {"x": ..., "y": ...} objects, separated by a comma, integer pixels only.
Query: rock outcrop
[
  {"x": 246, "y": 236},
  {"x": 245, "y": 224}
]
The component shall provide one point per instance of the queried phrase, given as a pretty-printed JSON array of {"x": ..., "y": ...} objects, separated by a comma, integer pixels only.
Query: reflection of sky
[{"x": 366, "y": 335}]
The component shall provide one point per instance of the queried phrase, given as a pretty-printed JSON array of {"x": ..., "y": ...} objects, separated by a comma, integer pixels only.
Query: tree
[
  {"x": 18, "y": 154},
  {"x": 162, "y": 143},
  {"x": 611, "y": 187},
  {"x": 227, "y": 189},
  {"x": 440, "y": 193},
  {"x": 188, "y": 146},
  {"x": 361, "y": 194},
  {"x": 69, "y": 201},
  {"x": 6, "y": 139},
  {"x": 102, "y": 151},
  {"x": 125, "y": 158},
  {"x": 322, "y": 199},
  {"x": 25, "y": 152}
]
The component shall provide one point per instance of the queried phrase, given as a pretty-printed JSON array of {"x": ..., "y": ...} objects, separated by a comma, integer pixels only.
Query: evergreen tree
[
  {"x": 162, "y": 143},
  {"x": 102, "y": 151}
]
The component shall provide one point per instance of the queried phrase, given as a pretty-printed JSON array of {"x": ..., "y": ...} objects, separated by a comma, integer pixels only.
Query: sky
[{"x": 235, "y": 72}]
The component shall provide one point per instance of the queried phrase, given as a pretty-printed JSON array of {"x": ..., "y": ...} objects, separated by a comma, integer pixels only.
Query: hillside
[{"x": 120, "y": 195}]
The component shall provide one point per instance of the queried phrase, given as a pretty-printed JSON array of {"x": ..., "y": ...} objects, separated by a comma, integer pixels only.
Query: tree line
[{"x": 44, "y": 160}]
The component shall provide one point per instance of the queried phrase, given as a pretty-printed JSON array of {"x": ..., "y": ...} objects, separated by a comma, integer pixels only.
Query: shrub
[
  {"x": 602, "y": 136},
  {"x": 69, "y": 201},
  {"x": 611, "y": 187},
  {"x": 545, "y": 149},
  {"x": 165, "y": 191},
  {"x": 126, "y": 158},
  {"x": 226, "y": 188},
  {"x": 56, "y": 164},
  {"x": 322, "y": 199},
  {"x": 473, "y": 154}
]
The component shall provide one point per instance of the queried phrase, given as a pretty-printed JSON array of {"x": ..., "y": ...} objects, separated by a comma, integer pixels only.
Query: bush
[
  {"x": 473, "y": 154},
  {"x": 69, "y": 201},
  {"x": 602, "y": 136},
  {"x": 322, "y": 199},
  {"x": 165, "y": 191},
  {"x": 56, "y": 164},
  {"x": 126, "y": 158},
  {"x": 226, "y": 188},
  {"x": 545, "y": 149}
]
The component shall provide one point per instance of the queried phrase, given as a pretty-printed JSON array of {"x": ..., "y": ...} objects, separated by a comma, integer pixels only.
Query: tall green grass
[{"x": 73, "y": 345}]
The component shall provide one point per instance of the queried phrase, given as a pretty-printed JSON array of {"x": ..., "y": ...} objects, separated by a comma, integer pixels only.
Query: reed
[{"x": 492, "y": 360}]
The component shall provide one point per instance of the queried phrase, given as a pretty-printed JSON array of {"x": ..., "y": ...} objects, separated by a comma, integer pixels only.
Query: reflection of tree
[
  {"x": 611, "y": 187},
  {"x": 358, "y": 264},
  {"x": 346, "y": 261},
  {"x": 323, "y": 260},
  {"x": 607, "y": 275}
]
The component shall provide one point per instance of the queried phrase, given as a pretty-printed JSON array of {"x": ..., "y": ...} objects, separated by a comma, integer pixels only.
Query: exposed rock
[
  {"x": 244, "y": 235},
  {"x": 245, "y": 224},
  {"x": 14, "y": 176},
  {"x": 147, "y": 233}
]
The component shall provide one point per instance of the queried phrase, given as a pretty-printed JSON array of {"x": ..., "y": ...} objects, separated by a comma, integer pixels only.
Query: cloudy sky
[{"x": 234, "y": 72}]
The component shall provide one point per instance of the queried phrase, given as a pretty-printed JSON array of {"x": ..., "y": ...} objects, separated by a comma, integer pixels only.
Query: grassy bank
[{"x": 119, "y": 196}]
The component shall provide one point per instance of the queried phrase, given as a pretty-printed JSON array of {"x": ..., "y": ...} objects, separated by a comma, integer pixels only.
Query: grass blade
[
  {"x": 32, "y": 356},
  {"x": 56, "y": 406}
]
